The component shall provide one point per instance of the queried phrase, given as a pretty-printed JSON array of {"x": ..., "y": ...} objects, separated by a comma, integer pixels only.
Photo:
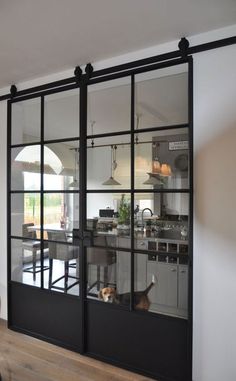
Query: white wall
[
  {"x": 3, "y": 218},
  {"x": 215, "y": 212},
  {"x": 214, "y": 349}
]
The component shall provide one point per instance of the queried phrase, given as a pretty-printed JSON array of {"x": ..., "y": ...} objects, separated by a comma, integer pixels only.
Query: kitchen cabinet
[
  {"x": 165, "y": 290},
  {"x": 170, "y": 293},
  {"x": 183, "y": 287},
  {"x": 123, "y": 267},
  {"x": 123, "y": 242},
  {"x": 140, "y": 272}
]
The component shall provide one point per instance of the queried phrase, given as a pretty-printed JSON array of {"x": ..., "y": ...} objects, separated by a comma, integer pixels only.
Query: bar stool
[
  {"x": 63, "y": 252},
  {"x": 34, "y": 246},
  {"x": 101, "y": 258}
]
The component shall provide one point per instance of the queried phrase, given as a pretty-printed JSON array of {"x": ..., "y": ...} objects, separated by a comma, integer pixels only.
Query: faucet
[{"x": 143, "y": 213}]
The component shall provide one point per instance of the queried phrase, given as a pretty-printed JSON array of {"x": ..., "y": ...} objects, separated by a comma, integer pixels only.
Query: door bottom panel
[
  {"x": 155, "y": 345},
  {"x": 54, "y": 317}
]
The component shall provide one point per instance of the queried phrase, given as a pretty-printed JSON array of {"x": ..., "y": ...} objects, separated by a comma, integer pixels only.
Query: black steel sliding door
[
  {"x": 100, "y": 217},
  {"x": 43, "y": 219},
  {"x": 139, "y": 213}
]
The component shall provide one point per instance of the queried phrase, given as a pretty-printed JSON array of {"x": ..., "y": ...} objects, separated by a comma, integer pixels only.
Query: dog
[{"x": 141, "y": 299}]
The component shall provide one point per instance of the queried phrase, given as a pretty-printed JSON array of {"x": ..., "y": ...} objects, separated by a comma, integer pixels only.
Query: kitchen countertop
[{"x": 163, "y": 235}]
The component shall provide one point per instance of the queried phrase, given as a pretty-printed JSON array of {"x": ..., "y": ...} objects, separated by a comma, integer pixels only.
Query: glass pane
[
  {"x": 162, "y": 159},
  {"x": 109, "y": 106},
  {"x": 61, "y": 214},
  {"x": 25, "y": 261},
  {"x": 108, "y": 275},
  {"x": 26, "y": 121},
  {"x": 25, "y": 215},
  {"x": 108, "y": 163},
  {"x": 161, "y": 284},
  {"x": 108, "y": 216},
  {"x": 161, "y": 97},
  {"x": 61, "y": 115},
  {"x": 62, "y": 263},
  {"x": 161, "y": 222},
  {"x": 25, "y": 168},
  {"x": 61, "y": 166}
]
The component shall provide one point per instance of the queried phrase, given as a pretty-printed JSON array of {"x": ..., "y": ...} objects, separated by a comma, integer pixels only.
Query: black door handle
[{"x": 84, "y": 238}]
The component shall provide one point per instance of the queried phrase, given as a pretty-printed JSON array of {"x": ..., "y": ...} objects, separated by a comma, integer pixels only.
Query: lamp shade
[
  {"x": 156, "y": 166},
  {"x": 154, "y": 179},
  {"x": 165, "y": 170},
  {"x": 74, "y": 184},
  {"x": 111, "y": 181}
]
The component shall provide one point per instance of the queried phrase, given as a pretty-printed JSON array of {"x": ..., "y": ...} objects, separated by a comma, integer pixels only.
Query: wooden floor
[{"x": 23, "y": 358}]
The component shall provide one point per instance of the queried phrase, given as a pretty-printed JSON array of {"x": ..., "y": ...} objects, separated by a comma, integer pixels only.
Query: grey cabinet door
[
  {"x": 123, "y": 272},
  {"x": 183, "y": 287},
  {"x": 152, "y": 270},
  {"x": 165, "y": 290},
  {"x": 140, "y": 272}
]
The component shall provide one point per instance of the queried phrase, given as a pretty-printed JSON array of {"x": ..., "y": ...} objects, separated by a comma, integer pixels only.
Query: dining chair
[
  {"x": 30, "y": 244},
  {"x": 60, "y": 249},
  {"x": 101, "y": 258}
]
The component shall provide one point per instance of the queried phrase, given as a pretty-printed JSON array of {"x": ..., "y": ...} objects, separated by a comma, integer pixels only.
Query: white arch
[{"x": 31, "y": 155}]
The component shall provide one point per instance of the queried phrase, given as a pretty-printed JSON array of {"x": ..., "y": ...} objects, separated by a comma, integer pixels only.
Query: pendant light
[
  {"x": 111, "y": 180},
  {"x": 158, "y": 170},
  {"x": 156, "y": 165},
  {"x": 153, "y": 179},
  {"x": 75, "y": 182},
  {"x": 138, "y": 116},
  {"x": 92, "y": 122},
  {"x": 165, "y": 170}
]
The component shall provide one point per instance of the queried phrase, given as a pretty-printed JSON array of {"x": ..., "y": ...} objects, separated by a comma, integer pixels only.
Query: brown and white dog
[{"x": 141, "y": 299}]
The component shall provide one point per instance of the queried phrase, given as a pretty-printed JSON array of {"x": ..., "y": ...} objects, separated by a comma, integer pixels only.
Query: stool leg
[
  {"x": 66, "y": 275},
  {"x": 50, "y": 273},
  {"x": 98, "y": 277},
  {"x": 105, "y": 276},
  {"x": 34, "y": 264}
]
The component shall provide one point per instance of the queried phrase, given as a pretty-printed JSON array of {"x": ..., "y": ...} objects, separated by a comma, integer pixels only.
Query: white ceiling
[{"x": 42, "y": 37}]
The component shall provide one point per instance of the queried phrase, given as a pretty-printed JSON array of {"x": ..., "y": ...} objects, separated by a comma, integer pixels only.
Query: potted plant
[{"x": 124, "y": 216}]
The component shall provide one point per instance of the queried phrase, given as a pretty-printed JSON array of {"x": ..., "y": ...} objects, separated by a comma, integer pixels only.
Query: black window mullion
[
  {"x": 9, "y": 112},
  {"x": 25, "y": 145},
  {"x": 83, "y": 210},
  {"x": 41, "y": 193},
  {"x": 190, "y": 217},
  {"x": 52, "y": 141},
  {"x": 132, "y": 169},
  {"x": 63, "y": 191}
]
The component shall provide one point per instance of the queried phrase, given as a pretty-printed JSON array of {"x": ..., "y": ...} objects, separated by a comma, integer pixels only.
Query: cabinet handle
[
  {"x": 173, "y": 270},
  {"x": 183, "y": 271},
  {"x": 142, "y": 243}
]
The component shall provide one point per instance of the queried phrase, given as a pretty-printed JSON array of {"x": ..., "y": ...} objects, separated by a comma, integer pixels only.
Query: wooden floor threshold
[{"x": 24, "y": 358}]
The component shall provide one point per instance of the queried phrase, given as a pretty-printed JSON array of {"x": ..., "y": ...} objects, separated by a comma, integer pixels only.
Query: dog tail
[{"x": 151, "y": 284}]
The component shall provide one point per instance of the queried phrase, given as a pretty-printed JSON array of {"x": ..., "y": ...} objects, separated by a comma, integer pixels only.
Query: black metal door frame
[
  {"x": 90, "y": 308},
  {"x": 84, "y": 81},
  {"x": 22, "y": 297}
]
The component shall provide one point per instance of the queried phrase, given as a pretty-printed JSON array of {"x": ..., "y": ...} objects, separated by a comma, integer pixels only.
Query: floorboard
[{"x": 24, "y": 358}]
